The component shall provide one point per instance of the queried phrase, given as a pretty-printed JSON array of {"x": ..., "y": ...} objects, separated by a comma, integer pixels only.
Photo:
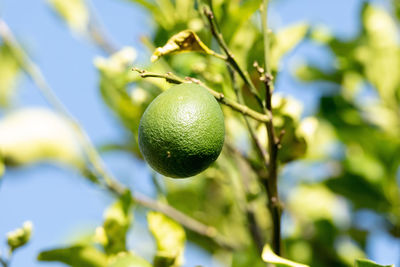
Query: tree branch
[
  {"x": 172, "y": 78},
  {"x": 254, "y": 228},
  {"x": 110, "y": 183},
  {"x": 271, "y": 183},
  {"x": 230, "y": 59}
]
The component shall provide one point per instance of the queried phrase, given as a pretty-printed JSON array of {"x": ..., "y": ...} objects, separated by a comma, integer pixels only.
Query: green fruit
[{"x": 182, "y": 131}]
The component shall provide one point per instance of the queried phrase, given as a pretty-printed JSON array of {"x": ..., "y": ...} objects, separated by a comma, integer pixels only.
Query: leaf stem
[
  {"x": 172, "y": 78},
  {"x": 110, "y": 183}
]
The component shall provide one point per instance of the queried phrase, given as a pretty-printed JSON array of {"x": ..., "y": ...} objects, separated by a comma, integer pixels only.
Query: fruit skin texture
[{"x": 182, "y": 131}]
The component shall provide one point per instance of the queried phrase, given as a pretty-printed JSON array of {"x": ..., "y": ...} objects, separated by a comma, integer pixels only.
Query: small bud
[{"x": 20, "y": 236}]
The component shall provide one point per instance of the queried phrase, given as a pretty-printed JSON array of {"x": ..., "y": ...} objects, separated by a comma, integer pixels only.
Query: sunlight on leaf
[
  {"x": 315, "y": 202},
  {"x": 74, "y": 12},
  {"x": 184, "y": 41},
  {"x": 269, "y": 256},
  {"x": 9, "y": 69},
  {"x": 369, "y": 263},
  {"x": 79, "y": 255},
  {"x": 2, "y": 168},
  {"x": 31, "y": 135},
  {"x": 126, "y": 259},
  {"x": 381, "y": 55},
  {"x": 20, "y": 236},
  {"x": 170, "y": 238},
  {"x": 117, "y": 62},
  {"x": 285, "y": 41},
  {"x": 348, "y": 250},
  {"x": 118, "y": 219}
]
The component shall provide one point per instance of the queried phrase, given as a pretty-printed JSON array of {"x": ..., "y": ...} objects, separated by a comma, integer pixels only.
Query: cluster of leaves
[
  {"x": 107, "y": 246},
  {"x": 366, "y": 130},
  {"x": 360, "y": 117}
]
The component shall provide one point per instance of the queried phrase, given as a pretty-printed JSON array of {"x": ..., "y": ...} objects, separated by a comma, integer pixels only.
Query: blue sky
[{"x": 59, "y": 202}]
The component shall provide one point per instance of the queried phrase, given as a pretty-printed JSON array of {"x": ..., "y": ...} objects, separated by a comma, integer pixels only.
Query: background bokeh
[{"x": 59, "y": 202}]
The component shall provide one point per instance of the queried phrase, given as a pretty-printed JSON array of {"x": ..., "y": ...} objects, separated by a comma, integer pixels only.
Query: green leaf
[
  {"x": 74, "y": 12},
  {"x": 359, "y": 191},
  {"x": 2, "y": 168},
  {"x": 170, "y": 238},
  {"x": 33, "y": 135},
  {"x": 118, "y": 219},
  {"x": 269, "y": 256},
  {"x": 184, "y": 41},
  {"x": 20, "y": 236},
  {"x": 128, "y": 260},
  {"x": 285, "y": 41},
  {"x": 149, "y": 6},
  {"x": 369, "y": 263},
  {"x": 76, "y": 256},
  {"x": 115, "y": 77},
  {"x": 310, "y": 74},
  {"x": 9, "y": 69},
  {"x": 381, "y": 55}
]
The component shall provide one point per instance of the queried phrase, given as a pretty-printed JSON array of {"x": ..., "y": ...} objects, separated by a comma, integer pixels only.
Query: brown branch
[{"x": 271, "y": 181}]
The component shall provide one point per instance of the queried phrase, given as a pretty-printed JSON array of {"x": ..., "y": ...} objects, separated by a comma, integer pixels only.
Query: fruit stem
[
  {"x": 99, "y": 169},
  {"x": 172, "y": 78}
]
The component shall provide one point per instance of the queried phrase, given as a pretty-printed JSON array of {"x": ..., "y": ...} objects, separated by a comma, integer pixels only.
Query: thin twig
[
  {"x": 94, "y": 158},
  {"x": 172, "y": 78},
  {"x": 229, "y": 56}
]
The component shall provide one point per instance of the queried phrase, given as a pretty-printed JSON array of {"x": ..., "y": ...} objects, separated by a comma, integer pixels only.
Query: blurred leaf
[
  {"x": 381, "y": 55},
  {"x": 125, "y": 259},
  {"x": 369, "y": 263},
  {"x": 148, "y": 5},
  {"x": 118, "y": 219},
  {"x": 75, "y": 256},
  {"x": 20, "y": 236},
  {"x": 184, "y": 41},
  {"x": 118, "y": 62},
  {"x": 248, "y": 257},
  {"x": 74, "y": 12},
  {"x": 9, "y": 69},
  {"x": 310, "y": 74},
  {"x": 396, "y": 5},
  {"x": 293, "y": 145},
  {"x": 287, "y": 113},
  {"x": 170, "y": 238},
  {"x": 360, "y": 192},
  {"x": 348, "y": 250},
  {"x": 269, "y": 256},
  {"x": 285, "y": 41},
  {"x": 316, "y": 202},
  {"x": 2, "y": 168},
  {"x": 246, "y": 9},
  {"x": 115, "y": 78},
  {"x": 31, "y": 135}
]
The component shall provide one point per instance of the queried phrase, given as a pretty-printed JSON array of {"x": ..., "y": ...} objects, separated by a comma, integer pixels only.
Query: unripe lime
[{"x": 182, "y": 131}]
